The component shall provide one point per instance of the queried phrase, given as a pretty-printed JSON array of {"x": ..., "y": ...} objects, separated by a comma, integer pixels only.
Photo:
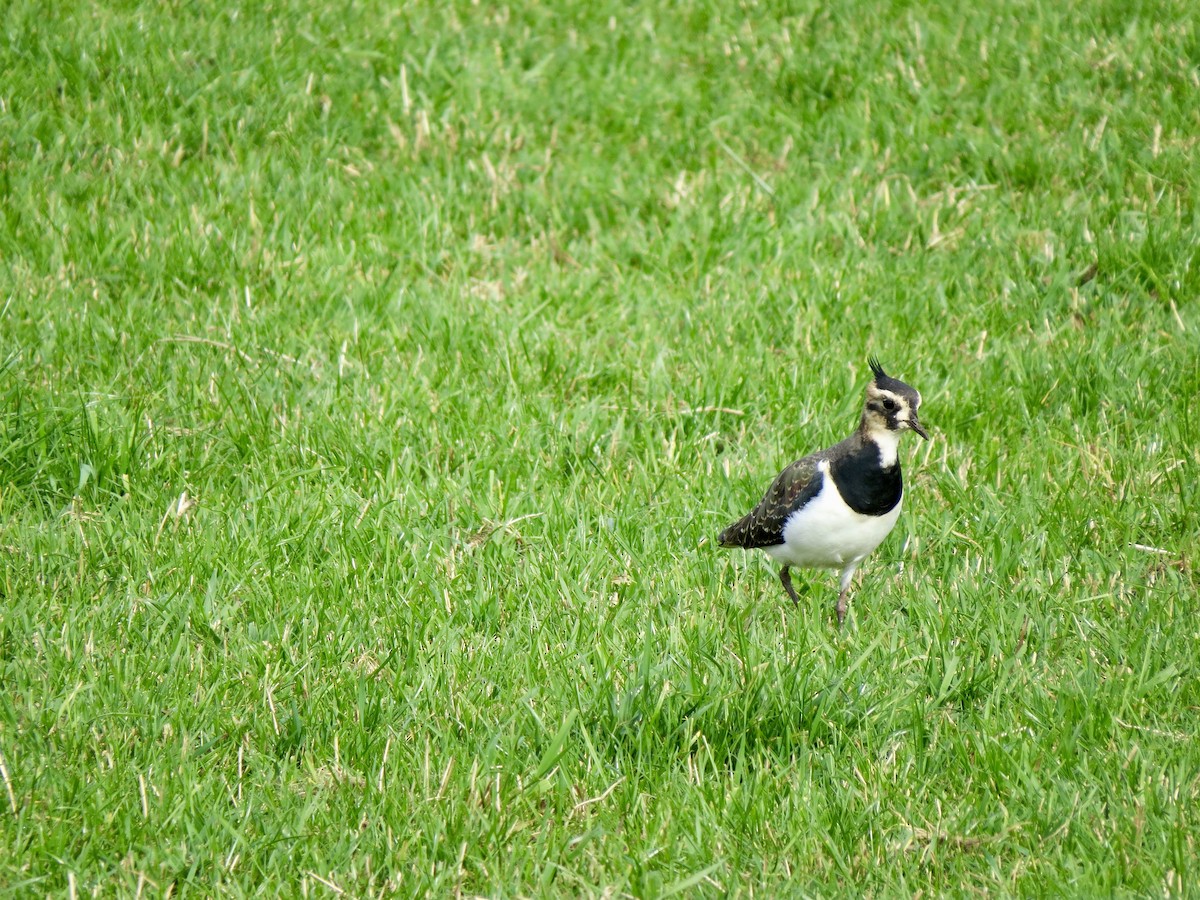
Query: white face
[{"x": 893, "y": 410}]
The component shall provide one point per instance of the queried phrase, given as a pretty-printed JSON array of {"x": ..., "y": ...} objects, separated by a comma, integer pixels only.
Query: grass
[{"x": 375, "y": 378}]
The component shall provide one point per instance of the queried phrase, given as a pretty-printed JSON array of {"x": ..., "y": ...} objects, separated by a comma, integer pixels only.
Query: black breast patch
[{"x": 866, "y": 486}]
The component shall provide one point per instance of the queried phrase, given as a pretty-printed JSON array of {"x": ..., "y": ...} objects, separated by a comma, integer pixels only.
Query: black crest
[{"x": 885, "y": 381}]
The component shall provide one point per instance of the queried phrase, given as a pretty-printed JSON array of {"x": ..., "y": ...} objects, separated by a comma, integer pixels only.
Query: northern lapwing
[{"x": 832, "y": 508}]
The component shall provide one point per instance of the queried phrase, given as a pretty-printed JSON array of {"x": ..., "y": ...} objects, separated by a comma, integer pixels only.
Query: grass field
[{"x": 376, "y": 377}]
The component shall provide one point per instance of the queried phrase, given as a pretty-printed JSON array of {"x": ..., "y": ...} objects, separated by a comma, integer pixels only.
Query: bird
[{"x": 832, "y": 508}]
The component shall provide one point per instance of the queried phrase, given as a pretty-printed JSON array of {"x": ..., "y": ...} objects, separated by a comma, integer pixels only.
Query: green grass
[{"x": 375, "y": 378}]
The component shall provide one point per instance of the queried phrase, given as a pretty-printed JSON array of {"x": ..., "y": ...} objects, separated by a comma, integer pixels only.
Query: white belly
[{"x": 826, "y": 533}]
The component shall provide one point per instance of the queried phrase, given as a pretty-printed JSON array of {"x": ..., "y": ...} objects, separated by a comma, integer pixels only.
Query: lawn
[{"x": 375, "y": 378}]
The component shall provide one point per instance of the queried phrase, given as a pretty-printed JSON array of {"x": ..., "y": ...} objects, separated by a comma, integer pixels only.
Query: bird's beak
[{"x": 916, "y": 426}]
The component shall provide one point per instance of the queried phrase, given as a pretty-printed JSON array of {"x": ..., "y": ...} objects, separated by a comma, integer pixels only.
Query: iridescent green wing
[{"x": 763, "y": 526}]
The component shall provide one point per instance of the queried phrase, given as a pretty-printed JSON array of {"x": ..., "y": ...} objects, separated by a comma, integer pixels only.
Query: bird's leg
[
  {"x": 786, "y": 577},
  {"x": 847, "y": 574}
]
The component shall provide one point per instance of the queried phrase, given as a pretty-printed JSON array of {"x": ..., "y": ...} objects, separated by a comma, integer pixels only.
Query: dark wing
[{"x": 763, "y": 526}]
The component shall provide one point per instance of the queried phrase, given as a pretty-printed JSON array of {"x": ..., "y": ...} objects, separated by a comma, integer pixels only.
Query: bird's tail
[{"x": 734, "y": 535}]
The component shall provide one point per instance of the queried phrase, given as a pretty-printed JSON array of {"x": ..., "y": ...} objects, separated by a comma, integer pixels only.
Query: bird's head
[{"x": 891, "y": 405}]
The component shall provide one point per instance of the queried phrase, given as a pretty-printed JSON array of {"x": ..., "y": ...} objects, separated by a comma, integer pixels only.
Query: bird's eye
[{"x": 889, "y": 403}]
